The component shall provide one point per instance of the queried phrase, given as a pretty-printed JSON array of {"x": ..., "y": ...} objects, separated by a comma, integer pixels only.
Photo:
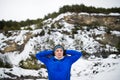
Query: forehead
[{"x": 58, "y": 49}]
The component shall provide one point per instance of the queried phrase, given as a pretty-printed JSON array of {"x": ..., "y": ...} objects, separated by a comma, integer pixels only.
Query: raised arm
[
  {"x": 74, "y": 55},
  {"x": 43, "y": 55}
]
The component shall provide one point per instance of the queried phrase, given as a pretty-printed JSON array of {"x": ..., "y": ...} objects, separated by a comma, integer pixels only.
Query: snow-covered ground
[
  {"x": 96, "y": 69},
  {"x": 84, "y": 69},
  {"x": 92, "y": 69}
]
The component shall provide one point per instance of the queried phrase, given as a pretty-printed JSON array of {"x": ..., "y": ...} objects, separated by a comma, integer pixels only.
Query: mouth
[{"x": 59, "y": 55}]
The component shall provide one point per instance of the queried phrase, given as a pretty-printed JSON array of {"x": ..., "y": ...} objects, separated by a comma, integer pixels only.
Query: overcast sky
[{"x": 32, "y": 9}]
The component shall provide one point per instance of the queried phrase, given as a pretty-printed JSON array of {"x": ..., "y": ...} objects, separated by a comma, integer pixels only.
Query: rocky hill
[{"x": 96, "y": 35}]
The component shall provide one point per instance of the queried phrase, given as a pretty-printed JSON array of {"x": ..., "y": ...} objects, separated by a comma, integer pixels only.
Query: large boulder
[
  {"x": 112, "y": 22},
  {"x": 11, "y": 47},
  {"x": 30, "y": 63}
]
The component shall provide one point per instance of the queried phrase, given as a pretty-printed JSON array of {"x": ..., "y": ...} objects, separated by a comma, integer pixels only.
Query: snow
[
  {"x": 67, "y": 27},
  {"x": 88, "y": 43},
  {"x": 83, "y": 13},
  {"x": 31, "y": 26},
  {"x": 110, "y": 75},
  {"x": 111, "y": 48},
  {"x": 19, "y": 72},
  {"x": 92, "y": 68},
  {"x": 2, "y": 39},
  {"x": 37, "y": 31},
  {"x": 117, "y": 33},
  {"x": 100, "y": 14},
  {"x": 20, "y": 36},
  {"x": 114, "y": 14},
  {"x": 2, "y": 36},
  {"x": 15, "y": 58},
  {"x": 62, "y": 16},
  {"x": 98, "y": 31},
  {"x": 83, "y": 69},
  {"x": 96, "y": 70}
]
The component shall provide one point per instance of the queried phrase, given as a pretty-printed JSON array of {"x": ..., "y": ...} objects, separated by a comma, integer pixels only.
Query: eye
[
  {"x": 60, "y": 50},
  {"x": 57, "y": 50}
]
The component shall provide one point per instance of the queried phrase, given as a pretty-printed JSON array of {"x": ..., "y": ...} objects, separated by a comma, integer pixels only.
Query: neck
[{"x": 59, "y": 58}]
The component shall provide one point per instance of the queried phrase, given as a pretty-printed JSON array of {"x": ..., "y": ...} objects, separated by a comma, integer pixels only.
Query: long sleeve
[
  {"x": 74, "y": 55},
  {"x": 43, "y": 55}
]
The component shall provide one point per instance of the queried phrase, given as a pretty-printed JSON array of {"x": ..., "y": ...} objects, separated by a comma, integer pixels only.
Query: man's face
[{"x": 59, "y": 53}]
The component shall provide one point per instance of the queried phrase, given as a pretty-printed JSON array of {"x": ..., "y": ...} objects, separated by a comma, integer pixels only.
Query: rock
[
  {"x": 10, "y": 48},
  {"x": 30, "y": 63},
  {"x": 13, "y": 46},
  {"x": 111, "y": 22}
]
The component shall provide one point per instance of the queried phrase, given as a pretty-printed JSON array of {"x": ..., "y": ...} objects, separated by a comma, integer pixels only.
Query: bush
[
  {"x": 118, "y": 46},
  {"x": 5, "y": 64},
  {"x": 30, "y": 63},
  {"x": 42, "y": 33}
]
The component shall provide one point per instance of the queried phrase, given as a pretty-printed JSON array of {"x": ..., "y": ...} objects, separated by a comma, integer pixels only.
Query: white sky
[{"x": 32, "y": 9}]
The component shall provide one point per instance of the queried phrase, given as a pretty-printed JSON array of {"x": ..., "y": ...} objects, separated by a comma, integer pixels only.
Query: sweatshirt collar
[{"x": 57, "y": 58}]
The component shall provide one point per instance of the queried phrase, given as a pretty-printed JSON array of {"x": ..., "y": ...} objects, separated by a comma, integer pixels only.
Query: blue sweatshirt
[{"x": 58, "y": 69}]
